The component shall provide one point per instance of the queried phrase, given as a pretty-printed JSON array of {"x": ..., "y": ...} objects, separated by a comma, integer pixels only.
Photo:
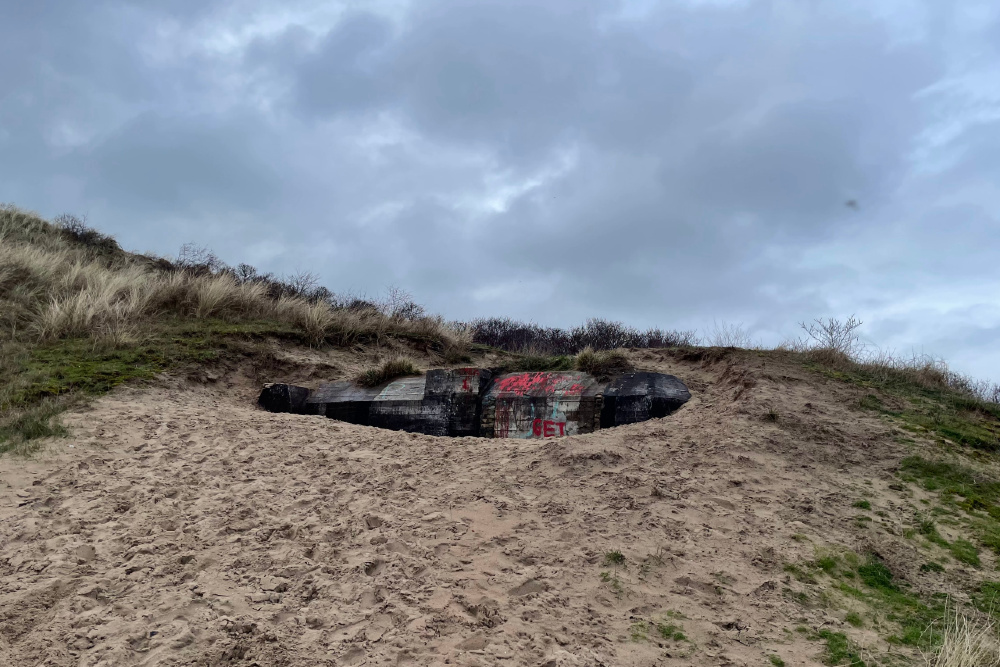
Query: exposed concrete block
[
  {"x": 402, "y": 406},
  {"x": 345, "y": 401},
  {"x": 469, "y": 401},
  {"x": 283, "y": 398},
  {"x": 461, "y": 390},
  {"x": 541, "y": 405},
  {"x": 636, "y": 397}
]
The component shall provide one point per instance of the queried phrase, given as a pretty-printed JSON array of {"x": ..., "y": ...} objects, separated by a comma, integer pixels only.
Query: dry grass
[
  {"x": 603, "y": 364},
  {"x": 387, "y": 371},
  {"x": 54, "y": 287},
  {"x": 70, "y": 296},
  {"x": 968, "y": 643}
]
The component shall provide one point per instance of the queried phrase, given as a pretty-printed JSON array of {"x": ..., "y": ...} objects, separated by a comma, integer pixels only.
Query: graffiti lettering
[{"x": 547, "y": 428}]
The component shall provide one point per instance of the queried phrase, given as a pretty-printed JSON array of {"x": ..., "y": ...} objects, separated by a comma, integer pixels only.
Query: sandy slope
[{"x": 184, "y": 526}]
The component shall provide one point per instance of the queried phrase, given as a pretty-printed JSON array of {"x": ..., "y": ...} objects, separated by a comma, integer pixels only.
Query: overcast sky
[{"x": 663, "y": 163}]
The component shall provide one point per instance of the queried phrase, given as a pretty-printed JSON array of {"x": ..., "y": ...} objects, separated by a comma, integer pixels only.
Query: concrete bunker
[{"x": 477, "y": 402}]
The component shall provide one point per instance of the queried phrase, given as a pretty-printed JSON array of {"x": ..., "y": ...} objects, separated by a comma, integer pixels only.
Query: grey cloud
[
  {"x": 171, "y": 163},
  {"x": 685, "y": 166}
]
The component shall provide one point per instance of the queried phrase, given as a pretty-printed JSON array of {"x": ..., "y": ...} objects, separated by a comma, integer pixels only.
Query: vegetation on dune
[
  {"x": 603, "y": 364},
  {"x": 387, "y": 371},
  {"x": 597, "y": 334},
  {"x": 80, "y": 316}
]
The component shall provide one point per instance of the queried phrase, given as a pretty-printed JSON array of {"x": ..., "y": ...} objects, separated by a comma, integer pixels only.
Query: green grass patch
[
  {"x": 976, "y": 493},
  {"x": 639, "y": 631},
  {"x": 854, "y": 618},
  {"x": 671, "y": 632},
  {"x": 987, "y": 598},
  {"x": 776, "y": 660},
  {"x": 965, "y": 552},
  {"x": 919, "y": 622},
  {"x": 862, "y": 504},
  {"x": 921, "y": 407},
  {"x": 616, "y": 558},
  {"x": 40, "y": 382},
  {"x": 840, "y": 650}
]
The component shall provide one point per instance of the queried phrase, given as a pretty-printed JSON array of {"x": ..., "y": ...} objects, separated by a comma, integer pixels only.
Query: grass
[
  {"x": 918, "y": 620},
  {"x": 967, "y": 642},
  {"x": 666, "y": 630},
  {"x": 671, "y": 632},
  {"x": 776, "y": 660},
  {"x": 79, "y": 316},
  {"x": 604, "y": 364},
  {"x": 839, "y": 649},
  {"x": 387, "y": 371},
  {"x": 912, "y": 621},
  {"x": 951, "y": 415},
  {"x": 862, "y": 504},
  {"x": 959, "y": 486},
  {"x": 616, "y": 558},
  {"x": 920, "y": 393},
  {"x": 41, "y": 381},
  {"x": 614, "y": 582}
]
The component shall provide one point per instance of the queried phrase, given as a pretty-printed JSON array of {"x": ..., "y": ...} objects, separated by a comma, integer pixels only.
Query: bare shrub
[
  {"x": 725, "y": 334},
  {"x": 388, "y": 370},
  {"x": 199, "y": 260},
  {"x": 76, "y": 229},
  {"x": 834, "y": 334},
  {"x": 514, "y": 336},
  {"x": 399, "y": 304}
]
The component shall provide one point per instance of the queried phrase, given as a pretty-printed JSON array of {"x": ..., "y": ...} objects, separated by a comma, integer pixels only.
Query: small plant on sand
[
  {"x": 616, "y": 558},
  {"x": 614, "y": 582},
  {"x": 862, "y": 505},
  {"x": 840, "y": 650},
  {"x": 639, "y": 631},
  {"x": 671, "y": 632},
  {"x": 776, "y": 661},
  {"x": 388, "y": 370}
]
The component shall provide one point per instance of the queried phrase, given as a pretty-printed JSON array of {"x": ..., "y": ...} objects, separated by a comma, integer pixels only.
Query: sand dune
[{"x": 181, "y": 525}]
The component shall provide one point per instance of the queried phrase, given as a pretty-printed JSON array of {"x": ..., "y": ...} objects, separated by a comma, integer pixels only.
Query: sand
[{"x": 181, "y": 525}]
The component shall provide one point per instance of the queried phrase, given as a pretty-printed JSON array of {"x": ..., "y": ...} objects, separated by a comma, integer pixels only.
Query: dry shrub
[
  {"x": 727, "y": 334},
  {"x": 388, "y": 370},
  {"x": 836, "y": 344},
  {"x": 967, "y": 643},
  {"x": 603, "y": 364},
  {"x": 513, "y": 336}
]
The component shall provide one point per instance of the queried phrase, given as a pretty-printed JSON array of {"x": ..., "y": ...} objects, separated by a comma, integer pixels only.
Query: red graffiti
[
  {"x": 503, "y": 416},
  {"x": 523, "y": 383},
  {"x": 547, "y": 428},
  {"x": 468, "y": 374}
]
